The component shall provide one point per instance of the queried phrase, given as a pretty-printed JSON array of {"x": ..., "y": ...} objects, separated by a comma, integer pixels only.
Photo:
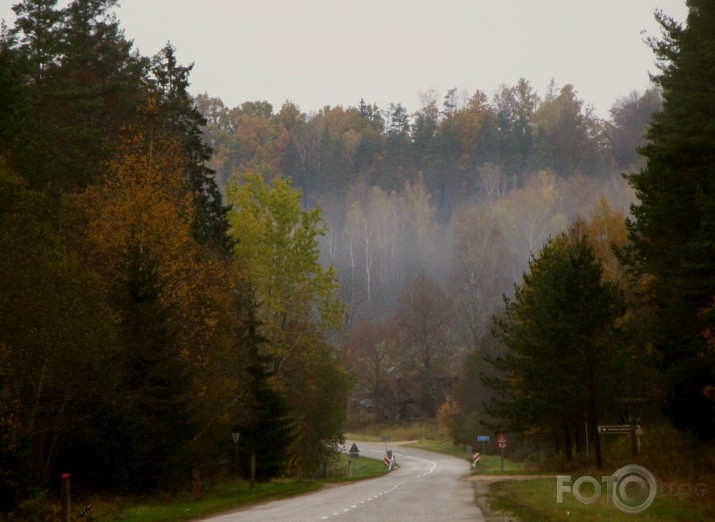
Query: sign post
[
  {"x": 619, "y": 429},
  {"x": 501, "y": 442},
  {"x": 483, "y": 439},
  {"x": 386, "y": 439},
  {"x": 253, "y": 470},
  {"x": 354, "y": 453},
  {"x": 65, "y": 497},
  {"x": 235, "y": 436},
  {"x": 632, "y": 429}
]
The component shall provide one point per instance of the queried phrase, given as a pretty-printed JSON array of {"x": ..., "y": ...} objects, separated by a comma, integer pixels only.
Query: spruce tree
[
  {"x": 156, "y": 380},
  {"x": 82, "y": 83},
  {"x": 265, "y": 427},
  {"x": 673, "y": 230},
  {"x": 181, "y": 118},
  {"x": 561, "y": 333}
]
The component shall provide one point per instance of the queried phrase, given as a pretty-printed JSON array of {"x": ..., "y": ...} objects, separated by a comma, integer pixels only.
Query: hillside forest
[{"x": 173, "y": 270}]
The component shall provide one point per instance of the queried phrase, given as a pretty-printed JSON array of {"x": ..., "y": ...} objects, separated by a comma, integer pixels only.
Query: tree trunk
[{"x": 567, "y": 443}]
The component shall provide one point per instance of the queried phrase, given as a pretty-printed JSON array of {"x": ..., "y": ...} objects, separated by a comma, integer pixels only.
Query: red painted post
[{"x": 65, "y": 497}]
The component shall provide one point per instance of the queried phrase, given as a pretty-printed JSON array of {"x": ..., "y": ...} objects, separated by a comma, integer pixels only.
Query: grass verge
[
  {"x": 227, "y": 497},
  {"x": 408, "y": 430},
  {"x": 535, "y": 500},
  {"x": 488, "y": 464}
]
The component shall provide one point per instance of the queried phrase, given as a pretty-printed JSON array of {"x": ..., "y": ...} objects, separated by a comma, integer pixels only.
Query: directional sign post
[
  {"x": 501, "y": 442},
  {"x": 634, "y": 430},
  {"x": 618, "y": 429}
]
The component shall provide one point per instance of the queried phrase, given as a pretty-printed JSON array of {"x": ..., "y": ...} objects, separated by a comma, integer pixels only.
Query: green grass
[
  {"x": 229, "y": 496},
  {"x": 488, "y": 464},
  {"x": 535, "y": 500},
  {"x": 226, "y": 498},
  {"x": 397, "y": 431},
  {"x": 491, "y": 465},
  {"x": 362, "y": 437},
  {"x": 441, "y": 446},
  {"x": 363, "y": 468}
]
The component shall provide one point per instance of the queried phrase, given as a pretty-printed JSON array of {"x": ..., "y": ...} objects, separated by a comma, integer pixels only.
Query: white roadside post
[{"x": 475, "y": 459}]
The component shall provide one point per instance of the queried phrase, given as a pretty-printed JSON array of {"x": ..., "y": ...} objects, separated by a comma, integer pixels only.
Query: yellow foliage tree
[{"x": 144, "y": 203}]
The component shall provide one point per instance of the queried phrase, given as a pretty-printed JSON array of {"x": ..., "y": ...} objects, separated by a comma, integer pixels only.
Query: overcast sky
[{"x": 334, "y": 52}]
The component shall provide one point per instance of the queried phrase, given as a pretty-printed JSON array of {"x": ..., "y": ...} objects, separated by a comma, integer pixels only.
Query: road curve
[{"x": 426, "y": 486}]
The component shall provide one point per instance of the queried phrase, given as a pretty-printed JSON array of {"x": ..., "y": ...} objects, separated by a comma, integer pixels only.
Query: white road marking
[{"x": 370, "y": 499}]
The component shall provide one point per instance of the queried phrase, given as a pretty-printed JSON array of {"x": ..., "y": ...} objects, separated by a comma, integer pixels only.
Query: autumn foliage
[{"x": 361, "y": 269}]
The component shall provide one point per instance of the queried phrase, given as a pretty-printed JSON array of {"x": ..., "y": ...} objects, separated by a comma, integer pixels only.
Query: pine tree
[
  {"x": 673, "y": 228},
  {"x": 562, "y": 340}
]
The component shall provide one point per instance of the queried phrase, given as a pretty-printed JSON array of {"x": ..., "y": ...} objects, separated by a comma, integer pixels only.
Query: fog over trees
[{"x": 454, "y": 196}]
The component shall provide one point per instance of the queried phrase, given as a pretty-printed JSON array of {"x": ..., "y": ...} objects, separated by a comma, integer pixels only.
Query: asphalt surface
[{"x": 426, "y": 486}]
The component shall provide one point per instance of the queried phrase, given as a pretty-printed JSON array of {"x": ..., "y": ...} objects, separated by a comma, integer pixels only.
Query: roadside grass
[
  {"x": 666, "y": 453},
  {"x": 429, "y": 437},
  {"x": 363, "y": 468},
  {"x": 491, "y": 465},
  {"x": 226, "y": 497},
  {"x": 488, "y": 464},
  {"x": 532, "y": 500},
  {"x": 397, "y": 431},
  {"x": 441, "y": 446}
]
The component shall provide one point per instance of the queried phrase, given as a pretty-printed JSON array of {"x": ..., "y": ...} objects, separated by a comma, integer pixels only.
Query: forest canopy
[{"x": 174, "y": 270}]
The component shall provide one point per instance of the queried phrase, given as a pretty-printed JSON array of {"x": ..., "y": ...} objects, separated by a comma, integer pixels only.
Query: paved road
[{"x": 427, "y": 486}]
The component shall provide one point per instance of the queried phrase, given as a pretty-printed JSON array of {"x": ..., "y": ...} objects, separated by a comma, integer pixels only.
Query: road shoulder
[{"x": 481, "y": 484}]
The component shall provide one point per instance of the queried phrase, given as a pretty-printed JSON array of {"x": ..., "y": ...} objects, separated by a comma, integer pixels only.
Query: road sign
[
  {"x": 618, "y": 429},
  {"x": 501, "y": 441},
  {"x": 390, "y": 460},
  {"x": 354, "y": 451},
  {"x": 482, "y": 438},
  {"x": 475, "y": 459}
]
